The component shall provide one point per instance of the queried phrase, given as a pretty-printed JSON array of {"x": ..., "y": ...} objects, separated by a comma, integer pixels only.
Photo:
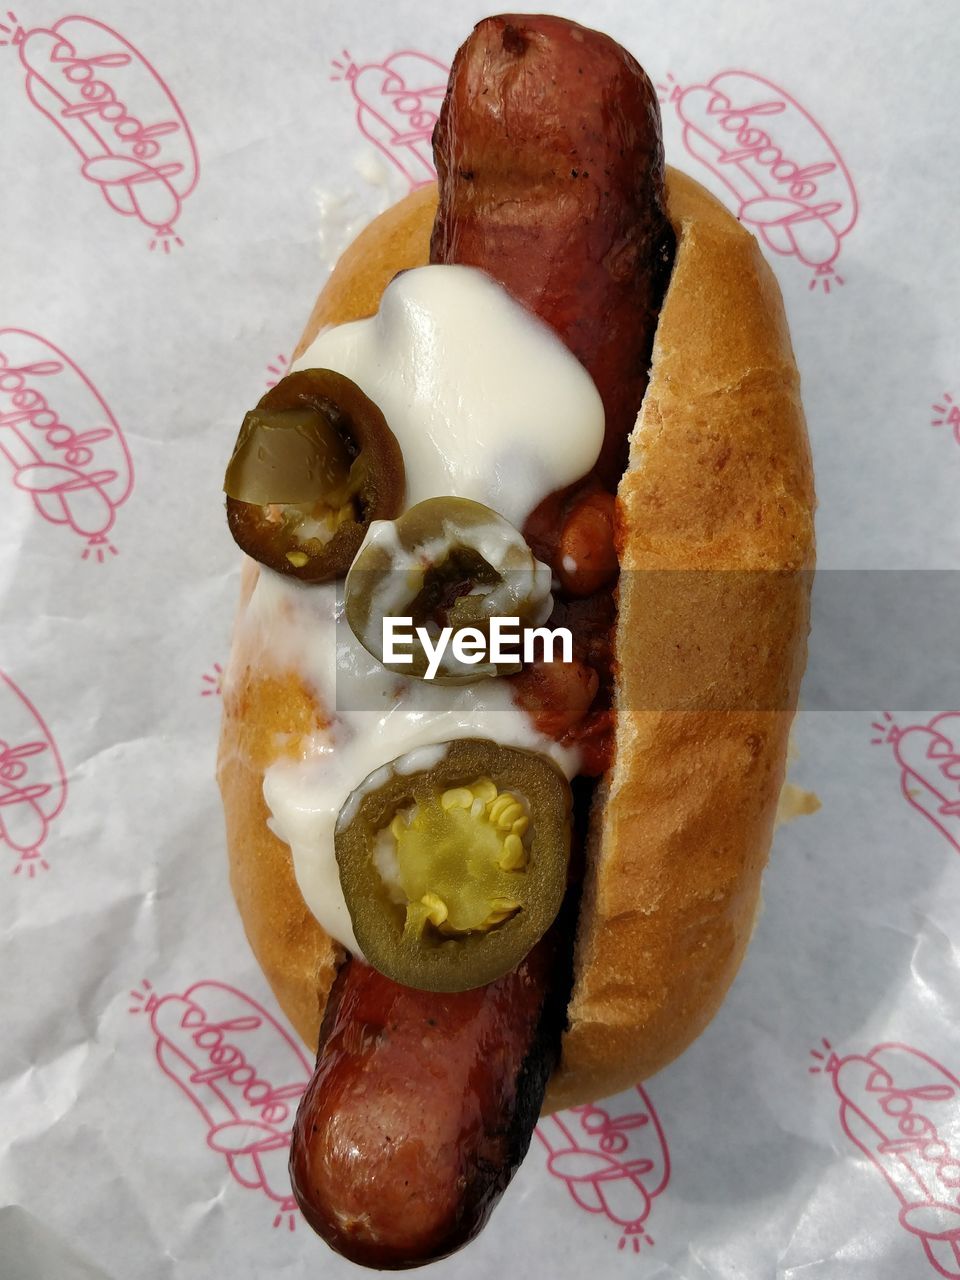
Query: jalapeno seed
[{"x": 456, "y": 855}]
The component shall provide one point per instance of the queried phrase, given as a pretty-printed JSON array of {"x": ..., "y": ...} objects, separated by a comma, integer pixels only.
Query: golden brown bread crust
[{"x": 719, "y": 479}]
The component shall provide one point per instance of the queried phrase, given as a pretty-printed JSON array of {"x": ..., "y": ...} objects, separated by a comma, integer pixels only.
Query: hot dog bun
[{"x": 719, "y": 479}]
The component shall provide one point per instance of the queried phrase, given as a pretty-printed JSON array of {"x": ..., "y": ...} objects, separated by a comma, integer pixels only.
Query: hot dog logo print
[
  {"x": 928, "y": 756},
  {"x": 947, "y": 413},
  {"x": 33, "y": 784},
  {"x": 789, "y": 181},
  {"x": 61, "y": 441},
  {"x": 901, "y": 1108},
  {"x": 397, "y": 102},
  {"x": 242, "y": 1072},
  {"x": 613, "y": 1159},
  {"x": 117, "y": 113}
]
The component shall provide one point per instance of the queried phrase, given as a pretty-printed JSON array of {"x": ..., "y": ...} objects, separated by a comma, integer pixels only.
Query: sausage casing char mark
[
  {"x": 550, "y": 170},
  {"x": 421, "y": 1108}
]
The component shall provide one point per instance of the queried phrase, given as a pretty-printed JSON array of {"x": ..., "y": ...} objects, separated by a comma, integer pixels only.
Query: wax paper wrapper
[{"x": 177, "y": 180}]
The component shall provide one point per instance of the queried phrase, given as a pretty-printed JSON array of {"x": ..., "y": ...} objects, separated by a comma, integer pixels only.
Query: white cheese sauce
[
  {"x": 486, "y": 403},
  {"x": 484, "y": 399}
]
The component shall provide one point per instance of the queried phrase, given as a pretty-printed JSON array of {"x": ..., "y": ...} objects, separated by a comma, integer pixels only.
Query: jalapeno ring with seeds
[
  {"x": 445, "y": 562},
  {"x": 314, "y": 464},
  {"x": 454, "y": 868}
]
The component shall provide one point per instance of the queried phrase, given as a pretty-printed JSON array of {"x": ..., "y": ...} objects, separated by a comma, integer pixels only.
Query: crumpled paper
[{"x": 177, "y": 180}]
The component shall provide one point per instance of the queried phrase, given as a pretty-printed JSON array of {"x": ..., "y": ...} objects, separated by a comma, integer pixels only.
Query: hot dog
[
  {"x": 570, "y": 220},
  {"x": 593, "y": 268}
]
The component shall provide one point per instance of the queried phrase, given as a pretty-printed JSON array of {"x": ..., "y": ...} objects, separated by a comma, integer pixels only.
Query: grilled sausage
[
  {"x": 422, "y": 1107},
  {"x": 550, "y": 163}
]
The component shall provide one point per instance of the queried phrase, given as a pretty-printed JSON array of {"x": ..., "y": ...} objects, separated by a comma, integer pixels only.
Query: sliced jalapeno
[
  {"x": 314, "y": 464},
  {"x": 452, "y": 869},
  {"x": 447, "y": 562}
]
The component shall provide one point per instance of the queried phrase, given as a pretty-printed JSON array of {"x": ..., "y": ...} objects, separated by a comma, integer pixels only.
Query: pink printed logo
[
  {"x": 929, "y": 759},
  {"x": 241, "y": 1070},
  {"x": 277, "y": 369},
  {"x": 902, "y": 1109},
  {"x": 212, "y": 682},
  {"x": 397, "y": 103},
  {"x": 33, "y": 784},
  {"x": 113, "y": 107},
  {"x": 64, "y": 445},
  {"x": 791, "y": 185},
  {"x": 949, "y": 413},
  {"x": 614, "y": 1160}
]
